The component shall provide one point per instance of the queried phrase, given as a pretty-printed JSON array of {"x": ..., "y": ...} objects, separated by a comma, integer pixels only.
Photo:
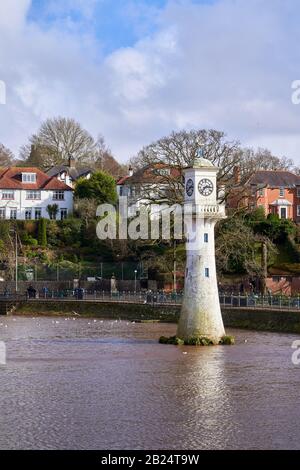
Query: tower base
[{"x": 196, "y": 322}]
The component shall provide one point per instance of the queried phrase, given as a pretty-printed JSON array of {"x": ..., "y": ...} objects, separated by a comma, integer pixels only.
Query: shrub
[
  {"x": 198, "y": 341},
  {"x": 29, "y": 240},
  {"x": 33, "y": 241},
  {"x": 172, "y": 340},
  {"x": 228, "y": 340}
]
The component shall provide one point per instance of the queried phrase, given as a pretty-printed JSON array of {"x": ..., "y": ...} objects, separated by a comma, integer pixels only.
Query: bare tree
[
  {"x": 179, "y": 150},
  {"x": 58, "y": 138},
  {"x": 105, "y": 161},
  {"x": 6, "y": 156},
  {"x": 263, "y": 159},
  {"x": 86, "y": 209},
  {"x": 236, "y": 248}
]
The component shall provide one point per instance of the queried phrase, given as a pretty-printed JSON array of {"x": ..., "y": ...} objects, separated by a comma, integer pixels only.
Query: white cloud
[
  {"x": 12, "y": 14},
  {"x": 229, "y": 65}
]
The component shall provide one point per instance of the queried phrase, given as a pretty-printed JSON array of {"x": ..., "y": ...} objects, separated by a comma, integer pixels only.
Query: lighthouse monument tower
[{"x": 200, "y": 312}]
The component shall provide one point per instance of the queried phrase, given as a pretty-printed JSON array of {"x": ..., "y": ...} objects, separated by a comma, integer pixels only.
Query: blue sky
[
  {"x": 116, "y": 23},
  {"x": 135, "y": 70}
]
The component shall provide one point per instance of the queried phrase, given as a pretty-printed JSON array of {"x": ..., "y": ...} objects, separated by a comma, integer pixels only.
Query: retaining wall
[{"x": 257, "y": 319}]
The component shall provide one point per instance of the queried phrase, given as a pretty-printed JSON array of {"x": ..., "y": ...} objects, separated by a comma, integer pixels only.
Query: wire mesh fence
[{"x": 67, "y": 270}]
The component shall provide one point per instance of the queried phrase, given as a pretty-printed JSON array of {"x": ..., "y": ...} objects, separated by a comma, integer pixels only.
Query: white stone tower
[{"x": 200, "y": 312}]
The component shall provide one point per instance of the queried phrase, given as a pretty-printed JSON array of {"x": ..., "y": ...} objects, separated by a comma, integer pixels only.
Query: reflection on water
[{"x": 86, "y": 384}]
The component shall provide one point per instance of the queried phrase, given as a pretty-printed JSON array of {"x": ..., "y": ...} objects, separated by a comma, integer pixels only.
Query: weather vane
[{"x": 199, "y": 152}]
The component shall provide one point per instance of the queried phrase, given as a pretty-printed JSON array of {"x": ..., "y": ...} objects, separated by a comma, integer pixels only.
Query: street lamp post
[
  {"x": 16, "y": 249},
  {"x": 174, "y": 268},
  {"x": 16, "y": 256},
  {"x": 135, "y": 273}
]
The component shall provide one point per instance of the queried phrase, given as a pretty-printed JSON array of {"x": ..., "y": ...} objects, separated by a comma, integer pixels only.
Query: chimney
[
  {"x": 71, "y": 161},
  {"x": 237, "y": 174},
  {"x": 130, "y": 171}
]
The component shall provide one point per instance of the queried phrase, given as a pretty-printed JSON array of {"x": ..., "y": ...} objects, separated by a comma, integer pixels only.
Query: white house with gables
[
  {"x": 26, "y": 193},
  {"x": 70, "y": 173}
]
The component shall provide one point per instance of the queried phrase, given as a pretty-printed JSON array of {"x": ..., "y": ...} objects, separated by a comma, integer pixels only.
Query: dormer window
[{"x": 28, "y": 177}]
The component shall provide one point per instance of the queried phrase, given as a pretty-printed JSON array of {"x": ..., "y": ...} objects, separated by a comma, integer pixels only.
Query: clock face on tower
[
  {"x": 205, "y": 187},
  {"x": 189, "y": 187}
]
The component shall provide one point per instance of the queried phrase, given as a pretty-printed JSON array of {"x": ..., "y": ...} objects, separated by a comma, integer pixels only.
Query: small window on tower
[
  {"x": 206, "y": 272},
  {"x": 206, "y": 238}
]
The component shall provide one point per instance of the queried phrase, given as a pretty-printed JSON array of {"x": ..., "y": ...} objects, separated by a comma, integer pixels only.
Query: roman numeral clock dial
[
  {"x": 189, "y": 187},
  {"x": 205, "y": 187}
]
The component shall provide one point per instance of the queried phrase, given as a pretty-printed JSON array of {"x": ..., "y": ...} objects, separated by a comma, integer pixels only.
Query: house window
[
  {"x": 28, "y": 213},
  {"x": 261, "y": 192},
  {"x": 206, "y": 238},
  {"x": 121, "y": 191},
  {"x": 206, "y": 272},
  {"x": 58, "y": 195},
  {"x": 33, "y": 194},
  {"x": 37, "y": 213},
  {"x": 298, "y": 211},
  {"x": 283, "y": 212},
  {"x": 63, "y": 214},
  {"x": 298, "y": 192},
  {"x": 8, "y": 194},
  {"x": 281, "y": 192},
  {"x": 13, "y": 214},
  {"x": 28, "y": 177},
  {"x": 2, "y": 213}
]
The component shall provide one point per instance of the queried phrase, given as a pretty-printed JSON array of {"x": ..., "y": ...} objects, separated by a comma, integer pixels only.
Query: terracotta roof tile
[
  {"x": 123, "y": 179},
  {"x": 11, "y": 178}
]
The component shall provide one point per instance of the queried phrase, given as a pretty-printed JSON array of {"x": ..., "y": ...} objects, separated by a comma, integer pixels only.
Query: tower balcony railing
[{"x": 213, "y": 210}]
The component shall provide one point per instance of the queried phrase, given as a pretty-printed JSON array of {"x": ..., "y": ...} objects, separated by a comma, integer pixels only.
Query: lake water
[{"x": 85, "y": 384}]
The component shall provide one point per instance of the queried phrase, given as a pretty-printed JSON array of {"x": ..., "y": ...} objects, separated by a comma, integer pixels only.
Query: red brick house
[{"x": 278, "y": 192}]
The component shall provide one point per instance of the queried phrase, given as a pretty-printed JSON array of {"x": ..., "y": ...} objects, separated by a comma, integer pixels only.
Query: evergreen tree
[
  {"x": 101, "y": 187},
  {"x": 42, "y": 233}
]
